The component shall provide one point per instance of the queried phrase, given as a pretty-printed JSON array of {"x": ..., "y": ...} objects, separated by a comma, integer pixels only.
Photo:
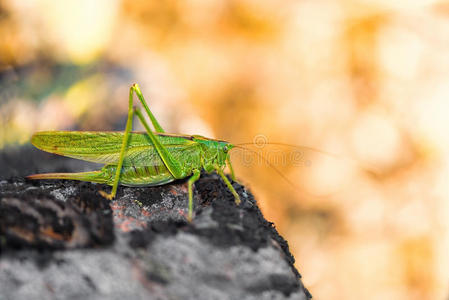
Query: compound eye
[{"x": 225, "y": 148}]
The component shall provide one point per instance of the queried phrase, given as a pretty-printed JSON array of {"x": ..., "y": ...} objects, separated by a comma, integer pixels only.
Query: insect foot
[
  {"x": 237, "y": 200},
  {"x": 106, "y": 195}
]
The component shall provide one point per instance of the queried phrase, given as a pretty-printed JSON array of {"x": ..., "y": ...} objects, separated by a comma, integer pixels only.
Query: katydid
[{"x": 138, "y": 158}]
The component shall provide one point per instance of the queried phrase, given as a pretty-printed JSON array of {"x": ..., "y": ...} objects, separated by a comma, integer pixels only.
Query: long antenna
[
  {"x": 294, "y": 146},
  {"x": 365, "y": 167},
  {"x": 270, "y": 165}
]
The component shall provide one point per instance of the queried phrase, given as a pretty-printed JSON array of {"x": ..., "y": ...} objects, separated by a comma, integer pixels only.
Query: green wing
[{"x": 104, "y": 147}]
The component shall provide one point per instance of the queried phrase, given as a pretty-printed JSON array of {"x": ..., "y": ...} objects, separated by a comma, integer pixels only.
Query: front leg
[{"x": 229, "y": 185}]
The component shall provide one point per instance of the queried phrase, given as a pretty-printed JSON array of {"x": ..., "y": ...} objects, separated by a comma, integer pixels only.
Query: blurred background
[{"x": 365, "y": 80}]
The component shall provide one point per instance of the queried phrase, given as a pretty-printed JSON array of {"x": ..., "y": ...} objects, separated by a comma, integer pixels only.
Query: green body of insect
[{"x": 138, "y": 158}]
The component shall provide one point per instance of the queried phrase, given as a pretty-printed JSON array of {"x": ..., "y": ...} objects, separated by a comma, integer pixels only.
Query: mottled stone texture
[{"x": 62, "y": 240}]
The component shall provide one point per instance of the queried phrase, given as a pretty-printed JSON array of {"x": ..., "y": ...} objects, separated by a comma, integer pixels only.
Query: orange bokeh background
[{"x": 365, "y": 80}]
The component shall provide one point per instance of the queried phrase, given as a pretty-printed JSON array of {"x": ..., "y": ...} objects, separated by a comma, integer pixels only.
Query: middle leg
[{"x": 195, "y": 177}]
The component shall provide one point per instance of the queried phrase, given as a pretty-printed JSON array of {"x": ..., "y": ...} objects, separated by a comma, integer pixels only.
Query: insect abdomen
[{"x": 140, "y": 175}]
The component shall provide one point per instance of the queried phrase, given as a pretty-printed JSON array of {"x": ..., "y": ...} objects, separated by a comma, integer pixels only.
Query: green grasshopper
[{"x": 138, "y": 158}]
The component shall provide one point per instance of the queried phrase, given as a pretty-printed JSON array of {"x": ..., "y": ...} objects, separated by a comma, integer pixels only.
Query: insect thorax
[{"x": 213, "y": 153}]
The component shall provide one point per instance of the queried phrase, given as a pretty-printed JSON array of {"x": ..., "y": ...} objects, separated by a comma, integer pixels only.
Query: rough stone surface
[{"x": 62, "y": 240}]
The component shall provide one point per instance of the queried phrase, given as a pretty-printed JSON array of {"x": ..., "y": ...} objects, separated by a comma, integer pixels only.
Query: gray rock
[{"x": 62, "y": 240}]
